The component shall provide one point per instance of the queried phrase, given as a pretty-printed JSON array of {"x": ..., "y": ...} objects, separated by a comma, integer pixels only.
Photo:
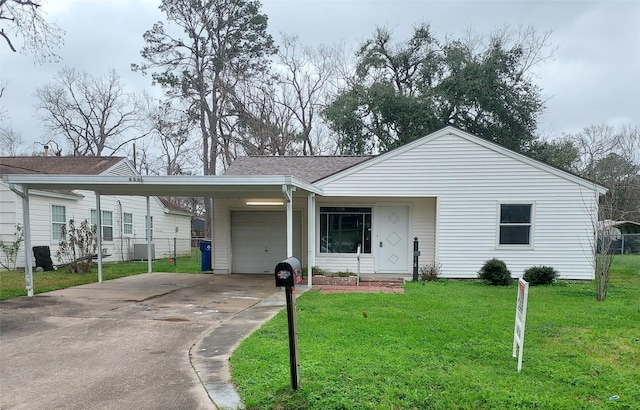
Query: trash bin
[
  {"x": 205, "y": 263},
  {"x": 42, "y": 254}
]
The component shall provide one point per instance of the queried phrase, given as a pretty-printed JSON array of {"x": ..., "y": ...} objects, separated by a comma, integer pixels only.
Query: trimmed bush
[
  {"x": 495, "y": 272},
  {"x": 540, "y": 275}
]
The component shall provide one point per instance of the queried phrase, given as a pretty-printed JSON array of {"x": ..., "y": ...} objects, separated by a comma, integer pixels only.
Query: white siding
[
  {"x": 8, "y": 209},
  {"x": 470, "y": 180},
  {"x": 121, "y": 168}
]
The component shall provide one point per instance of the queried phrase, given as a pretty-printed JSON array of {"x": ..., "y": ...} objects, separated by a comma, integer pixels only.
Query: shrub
[
  {"x": 540, "y": 275},
  {"x": 11, "y": 249},
  {"x": 495, "y": 272},
  {"x": 430, "y": 272},
  {"x": 77, "y": 246}
]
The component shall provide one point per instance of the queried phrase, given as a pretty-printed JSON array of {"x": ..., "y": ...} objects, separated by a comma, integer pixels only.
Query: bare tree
[
  {"x": 10, "y": 141},
  {"x": 307, "y": 77},
  {"x": 171, "y": 129},
  {"x": 23, "y": 20},
  {"x": 95, "y": 115},
  {"x": 266, "y": 127},
  {"x": 609, "y": 156}
]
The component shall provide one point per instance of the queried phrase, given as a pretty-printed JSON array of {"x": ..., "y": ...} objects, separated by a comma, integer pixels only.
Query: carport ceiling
[{"x": 221, "y": 186}]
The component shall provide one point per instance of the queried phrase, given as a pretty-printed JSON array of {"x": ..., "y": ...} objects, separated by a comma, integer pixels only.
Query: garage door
[{"x": 259, "y": 240}]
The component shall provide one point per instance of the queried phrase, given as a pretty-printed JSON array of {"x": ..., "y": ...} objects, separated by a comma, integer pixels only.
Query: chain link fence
[
  {"x": 184, "y": 252},
  {"x": 619, "y": 244}
]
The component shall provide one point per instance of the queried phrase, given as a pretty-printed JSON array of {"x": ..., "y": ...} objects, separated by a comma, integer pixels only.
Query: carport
[{"x": 268, "y": 187}]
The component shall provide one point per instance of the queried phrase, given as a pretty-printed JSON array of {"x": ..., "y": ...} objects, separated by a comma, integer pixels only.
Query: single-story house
[
  {"x": 123, "y": 217},
  {"x": 465, "y": 199}
]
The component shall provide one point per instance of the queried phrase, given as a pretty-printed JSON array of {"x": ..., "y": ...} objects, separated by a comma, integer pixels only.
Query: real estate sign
[{"x": 521, "y": 317}]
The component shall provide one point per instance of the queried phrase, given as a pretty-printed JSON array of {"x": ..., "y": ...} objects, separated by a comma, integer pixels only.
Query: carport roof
[{"x": 173, "y": 185}]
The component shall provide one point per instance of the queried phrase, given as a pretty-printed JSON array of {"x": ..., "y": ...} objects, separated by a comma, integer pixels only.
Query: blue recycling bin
[{"x": 205, "y": 263}]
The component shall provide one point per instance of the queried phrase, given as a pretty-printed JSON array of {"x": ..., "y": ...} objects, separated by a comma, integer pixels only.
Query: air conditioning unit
[{"x": 140, "y": 251}]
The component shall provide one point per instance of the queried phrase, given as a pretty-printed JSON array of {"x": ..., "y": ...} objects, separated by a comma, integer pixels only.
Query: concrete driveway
[{"x": 152, "y": 341}]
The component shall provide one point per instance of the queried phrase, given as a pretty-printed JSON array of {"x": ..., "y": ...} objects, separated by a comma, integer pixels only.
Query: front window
[
  {"x": 515, "y": 224},
  {"x": 107, "y": 224},
  {"x": 58, "y": 217},
  {"x": 342, "y": 229}
]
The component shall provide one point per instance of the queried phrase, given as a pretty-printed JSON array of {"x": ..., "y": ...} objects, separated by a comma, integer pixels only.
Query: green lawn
[
  {"x": 12, "y": 284},
  {"x": 448, "y": 344}
]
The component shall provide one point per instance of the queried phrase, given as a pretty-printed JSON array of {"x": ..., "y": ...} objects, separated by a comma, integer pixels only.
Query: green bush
[
  {"x": 495, "y": 272},
  {"x": 540, "y": 275}
]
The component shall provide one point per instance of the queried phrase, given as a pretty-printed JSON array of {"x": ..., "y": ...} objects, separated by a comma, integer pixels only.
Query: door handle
[{"x": 381, "y": 244}]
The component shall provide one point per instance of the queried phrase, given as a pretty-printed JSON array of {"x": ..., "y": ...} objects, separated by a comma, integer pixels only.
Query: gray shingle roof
[
  {"x": 57, "y": 165},
  {"x": 307, "y": 168}
]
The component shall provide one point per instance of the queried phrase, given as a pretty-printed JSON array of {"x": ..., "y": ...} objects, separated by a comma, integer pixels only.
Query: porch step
[{"x": 381, "y": 282}]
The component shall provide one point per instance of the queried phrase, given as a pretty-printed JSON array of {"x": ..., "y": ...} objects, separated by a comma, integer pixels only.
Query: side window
[
  {"x": 127, "y": 223},
  {"x": 149, "y": 227},
  {"x": 515, "y": 224},
  {"x": 58, "y": 220},
  {"x": 107, "y": 224}
]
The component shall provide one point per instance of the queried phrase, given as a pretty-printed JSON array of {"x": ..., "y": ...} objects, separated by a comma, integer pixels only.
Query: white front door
[{"x": 392, "y": 226}]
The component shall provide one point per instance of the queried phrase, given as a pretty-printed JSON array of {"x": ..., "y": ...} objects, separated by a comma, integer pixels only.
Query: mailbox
[{"x": 288, "y": 272}]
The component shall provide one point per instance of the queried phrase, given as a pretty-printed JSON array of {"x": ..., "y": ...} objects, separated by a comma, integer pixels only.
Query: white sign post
[{"x": 521, "y": 318}]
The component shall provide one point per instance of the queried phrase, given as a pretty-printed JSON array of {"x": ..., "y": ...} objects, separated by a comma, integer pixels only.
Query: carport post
[
  {"x": 28, "y": 264},
  {"x": 99, "y": 235},
  {"x": 149, "y": 268},
  {"x": 288, "y": 192},
  {"x": 311, "y": 236}
]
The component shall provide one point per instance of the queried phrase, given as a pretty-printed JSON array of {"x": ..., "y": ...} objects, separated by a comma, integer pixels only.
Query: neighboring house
[
  {"x": 466, "y": 199},
  {"x": 123, "y": 217}
]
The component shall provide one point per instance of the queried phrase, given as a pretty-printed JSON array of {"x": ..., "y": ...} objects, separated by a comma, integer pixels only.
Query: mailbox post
[
  {"x": 416, "y": 254},
  {"x": 289, "y": 273}
]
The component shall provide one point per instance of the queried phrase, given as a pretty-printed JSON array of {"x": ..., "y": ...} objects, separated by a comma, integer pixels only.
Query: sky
[{"x": 594, "y": 77}]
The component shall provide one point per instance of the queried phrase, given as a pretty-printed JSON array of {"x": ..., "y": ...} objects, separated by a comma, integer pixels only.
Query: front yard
[{"x": 448, "y": 345}]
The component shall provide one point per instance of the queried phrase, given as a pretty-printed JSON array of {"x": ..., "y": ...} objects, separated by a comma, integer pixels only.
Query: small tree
[
  {"x": 77, "y": 246},
  {"x": 11, "y": 249}
]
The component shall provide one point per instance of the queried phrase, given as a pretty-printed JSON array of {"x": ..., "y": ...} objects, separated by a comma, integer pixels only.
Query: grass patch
[
  {"x": 12, "y": 283},
  {"x": 447, "y": 345}
]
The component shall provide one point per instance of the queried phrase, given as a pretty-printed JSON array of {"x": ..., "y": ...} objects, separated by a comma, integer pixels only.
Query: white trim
[
  {"x": 57, "y": 195},
  {"x": 64, "y": 222},
  {"x": 531, "y": 244},
  {"x": 222, "y": 185}
]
